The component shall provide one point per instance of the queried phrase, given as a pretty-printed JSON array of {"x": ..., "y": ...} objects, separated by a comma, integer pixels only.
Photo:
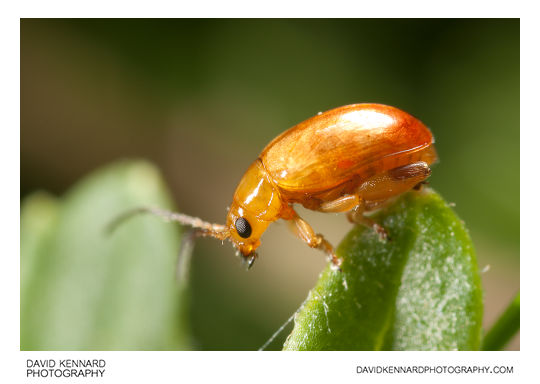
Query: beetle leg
[
  {"x": 420, "y": 185},
  {"x": 341, "y": 204},
  {"x": 411, "y": 172},
  {"x": 356, "y": 208},
  {"x": 303, "y": 230},
  {"x": 356, "y": 215},
  {"x": 393, "y": 182},
  {"x": 375, "y": 192}
]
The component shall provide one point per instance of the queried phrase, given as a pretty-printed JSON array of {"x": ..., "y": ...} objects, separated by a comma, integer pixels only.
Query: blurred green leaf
[
  {"x": 418, "y": 291},
  {"x": 504, "y": 328},
  {"x": 84, "y": 290}
]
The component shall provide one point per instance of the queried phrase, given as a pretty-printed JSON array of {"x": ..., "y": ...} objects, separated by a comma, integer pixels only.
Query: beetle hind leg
[
  {"x": 393, "y": 182},
  {"x": 415, "y": 172},
  {"x": 377, "y": 191}
]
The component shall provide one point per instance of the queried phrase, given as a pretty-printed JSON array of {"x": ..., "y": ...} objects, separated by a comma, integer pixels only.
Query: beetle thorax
[{"x": 257, "y": 194}]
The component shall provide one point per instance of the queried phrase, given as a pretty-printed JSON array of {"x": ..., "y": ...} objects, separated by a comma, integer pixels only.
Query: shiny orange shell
[{"x": 329, "y": 149}]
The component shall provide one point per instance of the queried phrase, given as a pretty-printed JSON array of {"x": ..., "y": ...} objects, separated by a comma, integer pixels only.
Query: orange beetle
[{"x": 349, "y": 159}]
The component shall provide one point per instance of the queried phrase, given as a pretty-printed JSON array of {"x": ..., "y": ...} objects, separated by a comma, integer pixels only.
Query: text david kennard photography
[{"x": 65, "y": 368}]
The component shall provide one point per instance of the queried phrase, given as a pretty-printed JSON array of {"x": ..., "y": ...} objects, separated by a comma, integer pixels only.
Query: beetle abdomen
[{"x": 350, "y": 142}]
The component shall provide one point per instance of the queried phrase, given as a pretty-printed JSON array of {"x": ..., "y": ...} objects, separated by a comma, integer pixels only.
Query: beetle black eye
[{"x": 242, "y": 227}]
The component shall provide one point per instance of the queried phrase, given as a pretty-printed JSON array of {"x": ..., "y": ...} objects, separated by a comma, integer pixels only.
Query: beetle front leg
[{"x": 303, "y": 230}]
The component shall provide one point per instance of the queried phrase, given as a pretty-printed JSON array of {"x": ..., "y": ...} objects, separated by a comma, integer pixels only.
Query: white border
[
  {"x": 275, "y": 8},
  {"x": 268, "y": 366},
  {"x": 286, "y": 367}
]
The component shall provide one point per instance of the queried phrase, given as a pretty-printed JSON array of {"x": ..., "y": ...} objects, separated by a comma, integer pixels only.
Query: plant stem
[{"x": 504, "y": 328}]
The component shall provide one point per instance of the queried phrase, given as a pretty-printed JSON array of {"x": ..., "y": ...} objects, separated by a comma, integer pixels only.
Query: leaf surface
[
  {"x": 419, "y": 290},
  {"x": 82, "y": 289}
]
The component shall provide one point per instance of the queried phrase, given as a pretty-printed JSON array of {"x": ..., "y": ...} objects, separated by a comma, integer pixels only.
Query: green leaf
[
  {"x": 84, "y": 290},
  {"x": 420, "y": 290},
  {"x": 504, "y": 328}
]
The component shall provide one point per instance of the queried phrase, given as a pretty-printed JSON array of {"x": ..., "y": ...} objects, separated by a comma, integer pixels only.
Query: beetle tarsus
[
  {"x": 420, "y": 185},
  {"x": 383, "y": 235},
  {"x": 336, "y": 262},
  {"x": 327, "y": 248}
]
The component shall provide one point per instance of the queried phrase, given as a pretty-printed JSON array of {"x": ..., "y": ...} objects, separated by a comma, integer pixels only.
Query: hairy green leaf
[{"x": 419, "y": 290}]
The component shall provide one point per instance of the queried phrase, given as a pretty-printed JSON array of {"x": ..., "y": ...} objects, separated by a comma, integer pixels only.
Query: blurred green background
[{"x": 201, "y": 98}]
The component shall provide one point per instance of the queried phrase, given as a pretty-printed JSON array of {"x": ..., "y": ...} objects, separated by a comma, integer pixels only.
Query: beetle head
[{"x": 245, "y": 231}]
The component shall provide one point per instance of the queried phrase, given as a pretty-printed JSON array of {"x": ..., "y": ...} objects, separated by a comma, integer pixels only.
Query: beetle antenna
[{"x": 203, "y": 228}]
